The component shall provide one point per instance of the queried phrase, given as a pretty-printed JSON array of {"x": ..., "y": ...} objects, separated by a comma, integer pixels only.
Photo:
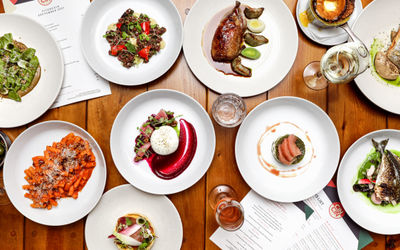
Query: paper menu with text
[
  {"x": 329, "y": 227},
  {"x": 267, "y": 224},
  {"x": 62, "y": 18}
]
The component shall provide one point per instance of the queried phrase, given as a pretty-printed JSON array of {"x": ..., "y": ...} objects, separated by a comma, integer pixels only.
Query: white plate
[
  {"x": 277, "y": 56},
  {"x": 40, "y": 99},
  {"x": 33, "y": 142},
  {"x": 102, "y": 13},
  {"x": 134, "y": 114},
  {"x": 314, "y": 122},
  {"x": 385, "y": 16},
  {"x": 126, "y": 199},
  {"x": 328, "y": 36},
  {"x": 356, "y": 206}
]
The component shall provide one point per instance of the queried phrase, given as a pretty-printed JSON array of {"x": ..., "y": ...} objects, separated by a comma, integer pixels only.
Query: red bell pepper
[
  {"x": 144, "y": 53},
  {"x": 119, "y": 25},
  {"x": 145, "y": 27},
  {"x": 117, "y": 48}
]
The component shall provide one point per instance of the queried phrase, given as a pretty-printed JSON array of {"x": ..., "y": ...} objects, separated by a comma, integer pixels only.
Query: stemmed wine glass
[
  {"x": 5, "y": 143},
  {"x": 340, "y": 64}
]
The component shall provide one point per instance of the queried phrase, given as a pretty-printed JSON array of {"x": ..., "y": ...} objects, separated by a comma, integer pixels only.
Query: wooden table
[{"x": 353, "y": 114}]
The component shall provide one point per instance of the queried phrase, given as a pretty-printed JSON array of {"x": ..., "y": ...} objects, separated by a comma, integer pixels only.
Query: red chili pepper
[
  {"x": 119, "y": 25},
  {"x": 365, "y": 181},
  {"x": 144, "y": 53},
  {"x": 117, "y": 48},
  {"x": 145, "y": 27}
]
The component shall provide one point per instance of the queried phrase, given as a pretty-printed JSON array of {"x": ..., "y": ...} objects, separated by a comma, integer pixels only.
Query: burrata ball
[{"x": 164, "y": 141}]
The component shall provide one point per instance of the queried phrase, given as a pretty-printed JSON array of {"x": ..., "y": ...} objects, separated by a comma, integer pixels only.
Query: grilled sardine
[{"x": 387, "y": 186}]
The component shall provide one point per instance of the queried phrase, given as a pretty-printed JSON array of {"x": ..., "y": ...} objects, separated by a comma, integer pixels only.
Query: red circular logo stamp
[
  {"x": 336, "y": 210},
  {"x": 45, "y": 2}
]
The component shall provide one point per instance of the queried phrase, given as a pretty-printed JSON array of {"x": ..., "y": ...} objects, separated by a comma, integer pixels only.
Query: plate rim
[
  {"x": 339, "y": 181},
  {"x": 208, "y": 85},
  {"x": 89, "y": 60},
  {"x": 150, "y": 92},
  {"x": 128, "y": 185},
  {"x": 103, "y": 182},
  {"x": 61, "y": 60},
  {"x": 307, "y": 102},
  {"x": 358, "y": 83}
]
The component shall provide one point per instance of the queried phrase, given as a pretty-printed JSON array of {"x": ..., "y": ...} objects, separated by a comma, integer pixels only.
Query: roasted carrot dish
[{"x": 62, "y": 171}]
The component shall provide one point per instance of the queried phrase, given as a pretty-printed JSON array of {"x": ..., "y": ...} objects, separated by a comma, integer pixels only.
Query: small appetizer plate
[
  {"x": 126, "y": 199},
  {"x": 42, "y": 96},
  {"x": 273, "y": 119},
  {"x": 325, "y": 36},
  {"x": 33, "y": 142},
  {"x": 385, "y": 18},
  {"x": 102, "y": 13},
  {"x": 276, "y": 59},
  {"x": 134, "y": 114},
  {"x": 358, "y": 207}
]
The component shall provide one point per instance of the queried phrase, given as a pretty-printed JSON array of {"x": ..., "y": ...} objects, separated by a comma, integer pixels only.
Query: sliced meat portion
[
  {"x": 286, "y": 151},
  {"x": 161, "y": 114},
  {"x": 228, "y": 37},
  {"x": 143, "y": 149},
  {"x": 294, "y": 150},
  {"x": 282, "y": 158}
]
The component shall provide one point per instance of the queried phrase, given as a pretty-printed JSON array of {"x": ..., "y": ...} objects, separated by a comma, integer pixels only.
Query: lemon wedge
[{"x": 255, "y": 25}]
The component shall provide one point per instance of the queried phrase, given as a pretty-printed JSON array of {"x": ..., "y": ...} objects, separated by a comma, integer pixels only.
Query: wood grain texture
[{"x": 352, "y": 113}]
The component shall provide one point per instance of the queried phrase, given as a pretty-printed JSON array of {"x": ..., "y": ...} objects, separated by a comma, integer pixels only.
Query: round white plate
[
  {"x": 355, "y": 204},
  {"x": 39, "y": 100},
  {"x": 33, "y": 142},
  {"x": 134, "y": 114},
  {"x": 126, "y": 199},
  {"x": 314, "y": 122},
  {"x": 328, "y": 36},
  {"x": 102, "y": 13},
  {"x": 385, "y": 17},
  {"x": 277, "y": 56}
]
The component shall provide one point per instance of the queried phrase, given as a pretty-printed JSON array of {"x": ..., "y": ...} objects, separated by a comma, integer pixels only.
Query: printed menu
[
  {"x": 319, "y": 222},
  {"x": 329, "y": 227},
  {"x": 62, "y": 18},
  {"x": 267, "y": 224}
]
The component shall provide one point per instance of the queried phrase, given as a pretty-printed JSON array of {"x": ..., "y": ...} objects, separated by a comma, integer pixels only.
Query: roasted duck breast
[{"x": 228, "y": 37}]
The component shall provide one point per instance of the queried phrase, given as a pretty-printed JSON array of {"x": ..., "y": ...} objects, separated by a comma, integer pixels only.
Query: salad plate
[
  {"x": 44, "y": 93},
  {"x": 32, "y": 142},
  {"x": 140, "y": 171},
  {"x": 375, "y": 218},
  {"x": 385, "y": 17},
  {"x": 126, "y": 199},
  {"x": 261, "y": 135},
  {"x": 103, "y": 16},
  {"x": 276, "y": 56}
]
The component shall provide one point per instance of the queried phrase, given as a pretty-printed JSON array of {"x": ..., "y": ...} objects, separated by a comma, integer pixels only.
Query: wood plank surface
[{"x": 352, "y": 113}]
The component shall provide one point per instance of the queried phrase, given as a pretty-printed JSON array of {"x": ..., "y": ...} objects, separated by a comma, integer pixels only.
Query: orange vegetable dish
[{"x": 62, "y": 172}]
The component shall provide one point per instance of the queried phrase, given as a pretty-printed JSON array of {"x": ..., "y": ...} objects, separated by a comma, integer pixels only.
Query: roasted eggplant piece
[
  {"x": 239, "y": 68},
  {"x": 385, "y": 68},
  {"x": 252, "y": 13},
  {"x": 255, "y": 40}
]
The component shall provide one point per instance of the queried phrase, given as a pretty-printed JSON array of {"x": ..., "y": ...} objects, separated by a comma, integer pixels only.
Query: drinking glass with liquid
[
  {"x": 229, "y": 213},
  {"x": 229, "y": 110}
]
